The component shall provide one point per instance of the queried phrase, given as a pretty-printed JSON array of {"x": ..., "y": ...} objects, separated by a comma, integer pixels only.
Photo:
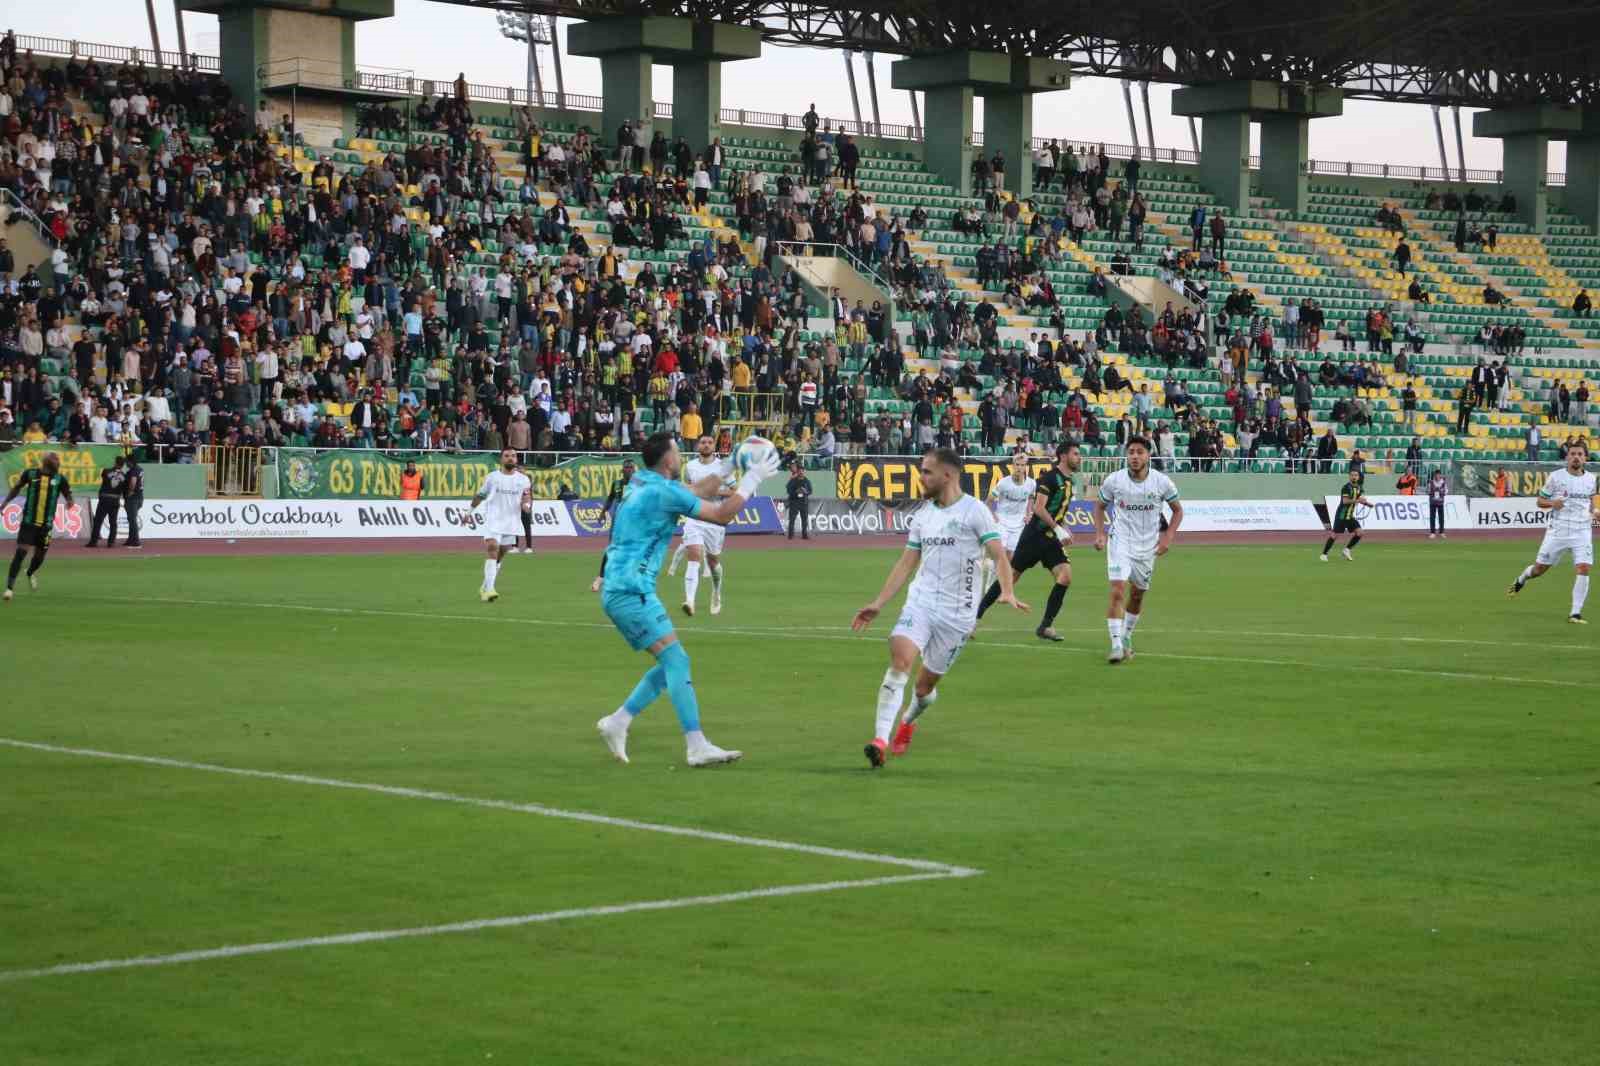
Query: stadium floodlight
[{"x": 522, "y": 26}]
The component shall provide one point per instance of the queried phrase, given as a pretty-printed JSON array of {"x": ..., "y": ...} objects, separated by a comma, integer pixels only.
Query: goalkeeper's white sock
[
  {"x": 1114, "y": 627},
  {"x": 920, "y": 704},
  {"x": 691, "y": 582},
  {"x": 490, "y": 569},
  {"x": 716, "y": 578},
  {"x": 890, "y": 695},
  {"x": 1580, "y": 592},
  {"x": 1129, "y": 620}
]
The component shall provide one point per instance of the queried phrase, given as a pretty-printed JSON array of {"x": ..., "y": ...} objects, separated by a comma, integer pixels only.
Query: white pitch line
[
  {"x": 374, "y": 936},
  {"x": 807, "y": 633},
  {"x": 942, "y": 868},
  {"x": 927, "y": 870}
]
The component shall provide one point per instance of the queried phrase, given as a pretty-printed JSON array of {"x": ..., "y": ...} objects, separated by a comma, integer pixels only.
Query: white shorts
[
  {"x": 1008, "y": 538},
  {"x": 707, "y": 535},
  {"x": 939, "y": 640},
  {"x": 1123, "y": 566},
  {"x": 1556, "y": 544},
  {"x": 505, "y": 540}
]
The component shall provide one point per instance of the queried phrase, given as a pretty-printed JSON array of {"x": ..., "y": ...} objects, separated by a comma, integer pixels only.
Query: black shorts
[
  {"x": 1036, "y": 549},
  {"x": 32, "y": 536},
  {"x": 1346, "y": 525}
]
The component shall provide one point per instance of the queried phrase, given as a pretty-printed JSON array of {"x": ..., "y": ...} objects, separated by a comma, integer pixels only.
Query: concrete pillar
[
  {"x": 1225, "y": 159},
  {"x": 1008, "y": 128},
  {"x": 1526, "y": 164},
  {"x": 1525, "y": 134},
  {"x": 1006, "y": 83},
  {"x": 1284, "y": 112},
  {"x": 309, "y": 44},
  {"x": 628, "y": 45},
  {"x": 1285, "y": 151},
  {"x": 627, "y": 92},
  {"x": 947, "y": 136},
  {"x": 1582, "y": 196},
  {"x": 697, "y": 102}
]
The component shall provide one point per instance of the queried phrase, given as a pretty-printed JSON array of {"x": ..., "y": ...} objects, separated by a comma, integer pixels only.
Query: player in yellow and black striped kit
[
  {"x": 1344, "y": 517},
  {"x": 42, "y": 491},
  {"x": 1045, "y": 539}
]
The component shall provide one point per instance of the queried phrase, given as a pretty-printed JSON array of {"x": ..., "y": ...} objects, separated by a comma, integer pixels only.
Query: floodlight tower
[{"x": 533, "y": 30}]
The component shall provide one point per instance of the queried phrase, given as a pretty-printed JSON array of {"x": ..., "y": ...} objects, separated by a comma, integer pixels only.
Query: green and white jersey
[
  {"x": 951, "y": 539},
  {"x": 1573, "y": 520}
]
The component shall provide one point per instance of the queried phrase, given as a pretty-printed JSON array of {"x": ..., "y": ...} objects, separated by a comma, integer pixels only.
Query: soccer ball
[{"x": 752, "y": 451}]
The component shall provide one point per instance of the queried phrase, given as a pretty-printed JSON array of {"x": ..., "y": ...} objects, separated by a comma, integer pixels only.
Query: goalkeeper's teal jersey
[{"x": 642, "y": 529}]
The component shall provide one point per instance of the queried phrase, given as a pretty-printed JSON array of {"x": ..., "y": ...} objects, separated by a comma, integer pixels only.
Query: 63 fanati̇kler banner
[{"x": 359, "y": 474}]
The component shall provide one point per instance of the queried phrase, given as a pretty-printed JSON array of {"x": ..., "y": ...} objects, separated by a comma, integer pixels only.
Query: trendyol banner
[
  {"x": 875, "y": 518},
  {"x": 870, "y": 518},
  {"x": 589, "y": 518}
]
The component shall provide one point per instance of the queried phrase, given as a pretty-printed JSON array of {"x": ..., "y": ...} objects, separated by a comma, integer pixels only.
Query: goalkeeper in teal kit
[{"x": 640, "y": 533}]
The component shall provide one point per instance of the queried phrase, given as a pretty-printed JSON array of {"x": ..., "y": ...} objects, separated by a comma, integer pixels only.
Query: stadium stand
[{"x": 456, "y": 280}]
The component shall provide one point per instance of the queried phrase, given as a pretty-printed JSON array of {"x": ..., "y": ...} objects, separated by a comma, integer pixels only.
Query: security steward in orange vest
[{"x": 412, "y": 483}]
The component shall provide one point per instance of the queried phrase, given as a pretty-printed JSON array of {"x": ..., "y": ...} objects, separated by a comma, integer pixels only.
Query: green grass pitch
[{"x": 1340, "y": 813}]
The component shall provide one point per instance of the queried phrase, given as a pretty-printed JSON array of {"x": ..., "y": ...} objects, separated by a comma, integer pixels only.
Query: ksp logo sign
[{"x": 590, "y": 516}]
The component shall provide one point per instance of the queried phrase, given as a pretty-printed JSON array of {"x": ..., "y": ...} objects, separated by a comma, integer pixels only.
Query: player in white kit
[
  {"x": 1569, "y": 494},
  {"x": 1136, "y": 494},
  {"x": 502, "y": 496},
  {"x": 1012, "y": 500},
  {"x": 702, "y": 541},
  {"x": 947, "y": 537}
]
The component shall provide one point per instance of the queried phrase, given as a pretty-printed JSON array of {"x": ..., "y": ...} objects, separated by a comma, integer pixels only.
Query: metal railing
[
  {"x": 515, "y": 97},
  {"x": 231, "y": 470},
  {"x": 303, "y": 73},
  {"x": 116, "y": 53},
  {"x": 13, "y": 205},
  {"x": 803, "y": 250}
]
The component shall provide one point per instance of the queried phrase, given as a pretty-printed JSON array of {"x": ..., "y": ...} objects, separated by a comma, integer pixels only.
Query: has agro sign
[
  {"x": 1515, "y": 512},
  {"x": 345, "y": 519},
  {"x": 590, "y": 519}
]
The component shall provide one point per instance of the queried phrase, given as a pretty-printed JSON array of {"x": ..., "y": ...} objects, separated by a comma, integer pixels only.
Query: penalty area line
[
  {"x": 922, "y": 869},
  {"x": 377, "y": 936}
]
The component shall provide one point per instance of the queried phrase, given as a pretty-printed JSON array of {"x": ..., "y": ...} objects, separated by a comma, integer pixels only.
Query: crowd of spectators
[{"x": 421, "y": 300}]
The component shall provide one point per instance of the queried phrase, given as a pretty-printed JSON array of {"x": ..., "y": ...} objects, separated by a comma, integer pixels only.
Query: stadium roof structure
[{"x": 1484, "y": 53}]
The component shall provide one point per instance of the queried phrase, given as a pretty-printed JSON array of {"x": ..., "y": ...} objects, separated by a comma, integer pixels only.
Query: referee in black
[
  {"x": 133, "y": 499},
  {"x": 107, "y": 503},
  {"x": 614, "y": 497},
  {"x": 799, "y": 493},
  {"x": 1044, "y": 539}
]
